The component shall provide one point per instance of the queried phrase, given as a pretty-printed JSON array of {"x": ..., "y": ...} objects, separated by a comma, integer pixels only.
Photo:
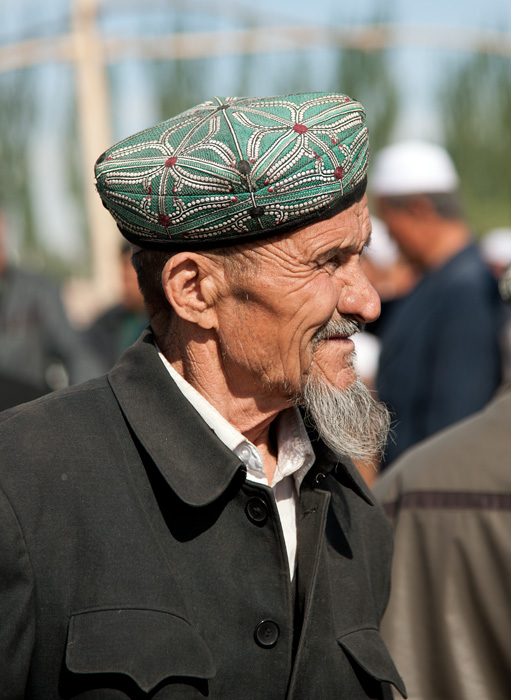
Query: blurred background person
[
  {"x": 448, "y": 623},
  {"x": 495, "y": 247},
  {"x": 119, "y": 326},
  {"x": 390, "y": 273},
  {"x": 39, "y": 350},
  {"x": 392, "y": 277},
  {"x": 440, "y": 344}
]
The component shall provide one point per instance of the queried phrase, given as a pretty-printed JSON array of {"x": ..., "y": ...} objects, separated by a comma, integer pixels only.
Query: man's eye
[{"x": 332, "y": 264}]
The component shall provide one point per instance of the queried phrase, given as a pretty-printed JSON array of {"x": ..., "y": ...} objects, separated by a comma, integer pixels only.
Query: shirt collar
[{"x": 295, "y": 452}]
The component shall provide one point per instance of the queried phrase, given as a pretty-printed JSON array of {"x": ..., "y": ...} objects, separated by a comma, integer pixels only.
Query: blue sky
[{"x": 475, "y": 13}]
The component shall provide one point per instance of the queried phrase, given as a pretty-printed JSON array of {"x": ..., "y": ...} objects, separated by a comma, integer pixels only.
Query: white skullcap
[
  {"x": 412, "y": 167},
  {"x": 496, "y": 246}
]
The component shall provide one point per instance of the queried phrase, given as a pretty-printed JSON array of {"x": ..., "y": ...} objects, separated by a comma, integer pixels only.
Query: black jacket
[{"x": 137, "y": 562}]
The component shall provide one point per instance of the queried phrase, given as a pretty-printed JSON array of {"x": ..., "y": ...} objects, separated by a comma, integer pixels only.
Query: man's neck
[
  {"x": 448, "y": 241},
  {"x": 199, "y": 363}
]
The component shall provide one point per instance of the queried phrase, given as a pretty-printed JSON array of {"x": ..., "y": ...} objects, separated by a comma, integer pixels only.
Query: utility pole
[{"x": 94, "y": 129}]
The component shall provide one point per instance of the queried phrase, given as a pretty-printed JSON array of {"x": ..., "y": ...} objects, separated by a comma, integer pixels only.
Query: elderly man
[
  {"x": 174, "y": 530},
  {"x": 440, "y": 344}
]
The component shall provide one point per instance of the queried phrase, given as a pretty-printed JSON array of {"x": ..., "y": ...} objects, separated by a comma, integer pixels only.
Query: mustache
[{"x": 341, "y": 326}]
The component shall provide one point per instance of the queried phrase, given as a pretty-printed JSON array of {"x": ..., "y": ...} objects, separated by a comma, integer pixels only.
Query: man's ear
[{"x": 190, "y": 282}]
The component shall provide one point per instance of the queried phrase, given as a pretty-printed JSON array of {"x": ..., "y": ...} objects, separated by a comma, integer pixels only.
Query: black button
[
  {"x": 266, "y": 634},
  {"x": 244, "y": 167},
  {"x": 256, "y": 212},
  {"x": 257, "y": 510}
]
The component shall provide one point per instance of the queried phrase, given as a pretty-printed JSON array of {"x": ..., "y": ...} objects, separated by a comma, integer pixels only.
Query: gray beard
[{"x": 349, "y": 421}]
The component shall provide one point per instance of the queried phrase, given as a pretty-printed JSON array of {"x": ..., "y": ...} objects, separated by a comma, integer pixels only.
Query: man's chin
[{"x": 337, "y": 375}]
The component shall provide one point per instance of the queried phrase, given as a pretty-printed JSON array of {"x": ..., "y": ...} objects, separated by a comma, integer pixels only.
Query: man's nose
[{"x": 360, "y": 299}]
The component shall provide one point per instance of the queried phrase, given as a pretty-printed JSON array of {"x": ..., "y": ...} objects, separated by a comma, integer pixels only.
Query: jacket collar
[
  {"x": 342, "y": 468},
  {"x": 195, "y": 463}
]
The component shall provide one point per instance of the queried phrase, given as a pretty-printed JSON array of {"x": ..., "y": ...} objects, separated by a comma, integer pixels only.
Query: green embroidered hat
[{"x": 236, "y": 169}]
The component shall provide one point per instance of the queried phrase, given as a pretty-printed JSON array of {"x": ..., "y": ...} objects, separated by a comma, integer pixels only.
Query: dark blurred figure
[
  {"x": 118, "y": 327},
  {"x": 13, "y": 392},
  {"x": 440, "y": 344},
  {"x": 38, "y": 346},
  {"x": 392, "y": 277},
  {"x": 390, "y": 273},
  {"x": 495, "y": 247},
  {"x": 448, "y": 623}
]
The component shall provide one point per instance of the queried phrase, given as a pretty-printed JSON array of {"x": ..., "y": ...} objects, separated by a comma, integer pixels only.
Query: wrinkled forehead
[{"x": 348, "y": 231}]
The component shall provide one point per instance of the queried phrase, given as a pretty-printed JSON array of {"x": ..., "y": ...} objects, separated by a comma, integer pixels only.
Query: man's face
[
  {"x": 270, "y": 317},
  {"x": 405, "y": 227}
]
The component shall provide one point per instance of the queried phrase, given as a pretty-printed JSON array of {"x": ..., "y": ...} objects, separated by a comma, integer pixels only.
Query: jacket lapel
[{"x": 195, "y": 463}]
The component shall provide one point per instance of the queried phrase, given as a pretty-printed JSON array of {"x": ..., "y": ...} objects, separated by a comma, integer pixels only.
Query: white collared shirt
[{"x": 295, "y": 456}]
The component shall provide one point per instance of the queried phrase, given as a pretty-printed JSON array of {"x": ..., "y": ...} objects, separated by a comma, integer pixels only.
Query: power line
[{"x": 191, "y": 45}]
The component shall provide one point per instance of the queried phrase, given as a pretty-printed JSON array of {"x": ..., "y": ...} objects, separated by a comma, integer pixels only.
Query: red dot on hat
[
  {"x": 339, "y": 172},
  {"x": 300, "y": 128},
  {"x": 170, "y": 162},
  {"x": 164, "y": 220}
]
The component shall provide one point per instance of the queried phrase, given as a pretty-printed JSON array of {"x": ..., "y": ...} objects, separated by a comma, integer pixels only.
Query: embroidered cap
[{"x": 236, "y": 169}]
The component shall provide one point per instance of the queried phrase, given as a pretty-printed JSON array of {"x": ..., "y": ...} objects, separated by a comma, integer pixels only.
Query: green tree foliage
[
  {"x": 183, "y": 83},
  {"x": 366, "y": 76},
  {"x": 17, "y": 117},
  {"x": 179, "y": 85},
  {"x": 475, "y": 102}
]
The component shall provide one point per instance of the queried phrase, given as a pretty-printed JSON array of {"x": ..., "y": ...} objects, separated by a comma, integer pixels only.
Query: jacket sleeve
[{"x": 16, "y": 606}]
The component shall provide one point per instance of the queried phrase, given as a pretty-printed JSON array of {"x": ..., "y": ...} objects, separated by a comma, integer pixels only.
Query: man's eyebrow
[{"x": 336, "y": 250}]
